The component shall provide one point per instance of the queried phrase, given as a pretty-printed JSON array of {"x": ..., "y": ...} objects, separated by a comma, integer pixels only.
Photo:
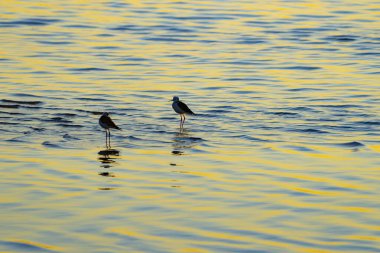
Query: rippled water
[{"x": 283, "y": 155}]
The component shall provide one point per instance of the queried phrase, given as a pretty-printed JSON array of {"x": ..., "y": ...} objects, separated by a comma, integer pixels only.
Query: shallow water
[{"x": 283, "y": 155}]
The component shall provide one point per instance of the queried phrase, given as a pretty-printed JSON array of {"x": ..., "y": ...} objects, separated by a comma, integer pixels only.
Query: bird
[
  {"x": 181, "y": 108},
  {"x": 106, "y": 122}
]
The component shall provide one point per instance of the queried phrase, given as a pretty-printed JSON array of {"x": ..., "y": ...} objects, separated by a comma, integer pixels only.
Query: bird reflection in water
[
  {"x": 107, "y": 158},
  {"x": 183, "y": 140}
]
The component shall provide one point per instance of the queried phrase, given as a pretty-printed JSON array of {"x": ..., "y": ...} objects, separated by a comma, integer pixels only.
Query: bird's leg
[
  {"x": 184, "y": 118},
  {"x": 109, "y": 138},
  {"x": 181, "y": 123},
  {"x": 106, "y": 139}
]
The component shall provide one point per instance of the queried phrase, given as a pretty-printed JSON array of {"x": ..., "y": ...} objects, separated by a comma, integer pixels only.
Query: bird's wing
[
  {"x": 108, "y": 121},
  {"x": 184, "y": 107}
]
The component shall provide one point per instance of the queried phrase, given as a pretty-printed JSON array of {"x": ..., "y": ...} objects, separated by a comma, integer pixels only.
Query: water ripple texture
[{"x": 283, "y": 154}]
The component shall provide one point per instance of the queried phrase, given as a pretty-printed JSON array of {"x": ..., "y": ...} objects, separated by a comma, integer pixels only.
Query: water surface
[{"x": 283, "y": 155}]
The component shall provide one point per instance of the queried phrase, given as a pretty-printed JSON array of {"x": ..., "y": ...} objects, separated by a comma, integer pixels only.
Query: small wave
[
  {"x": 284, "y": 113},
  {"x": 31, "y": 107},
  {"x": 8, "y": 123},
  {"x": 87, "y": 69},
  {"x": 250, "y": 138},
  {"x": 145, "y": 96},
  {"x": 359, "y": 96},
  {"x": 105, "y": 35},
  {"x": 243, "y": 62},
  {"x": 50, "y": 145},
  {"x": 174, "y": 29},
  {"x": 304, "y": 89},
  {"x": 106, "y": 48},
  {"x": 243, "y": 92},
  {"x": 22, "y": 102},
  {"x": 342, "y": 38},
  {"x": 41, "y": 72},
  {"x": 10, "y": 106},
  {"x": 69, "y": 137},
  {"x": 301, "y": 148},
  {"x": 80, "y": 26},
  {"x": 93, "y": 99},
  {"x": 227, "y": 107},
  {"x": 90, "y": 112},
  {"x": 132, "y": 138},
  {"x": 127, "y": 28},
  {"x": 247, "y": 78},
  {"x": 16, "y": 140},
  {"x": 65, "y": 114},
  {"x": 344, "y": 12},
  {"x": 29, "y": 22},
  {"x": 70, "y": 125},
  {"x": 353, "y": 144},
  {"x": 213, "y": 88},
  {"x": 57, "y": 119},
  {"x": 178, "y": 55},
  {"x": 192, "y": 139},
  {"x": 250, "y": 41},
  {"x": 167, "y": 118},
  {"x": 371, "y": 123},
  {"x": 26, "y": 246},
  {"x": 199, "y": 151},
  {"x": 312, "y": 131},
  {"x": 308, "y": 68},
  {"x": 156, "y": 91},
  {"x": 167, "y": 39},
  {"x": 315, "y": 16},
  {"x": 309, "y": 30},
  {"x": 368, "y": 54},
  {"x": 135, "y": 59},
  {"x": 217, "y": 111},
  {"x": 38, "y": 129},
  {"x": 25, "y": 95},
  {"x": 200, "y": 18},
  {"x": 46, "y": 42},
  {"x": 117, "y": 5},
  {"x": 345, "y": 106}
]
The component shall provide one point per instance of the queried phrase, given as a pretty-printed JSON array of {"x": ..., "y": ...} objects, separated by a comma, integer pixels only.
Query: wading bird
[
  {"x": 182, "y": 109},
  {"x": 106, "y": 122}
]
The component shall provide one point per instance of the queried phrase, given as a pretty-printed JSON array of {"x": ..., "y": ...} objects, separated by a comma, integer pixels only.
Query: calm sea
[{"x": 283, "y": 155}]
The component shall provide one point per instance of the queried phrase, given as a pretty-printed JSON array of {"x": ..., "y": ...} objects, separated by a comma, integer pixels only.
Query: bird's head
[
  {"x": 175, "y": 98},
  {"x": 105, "y": 114}
]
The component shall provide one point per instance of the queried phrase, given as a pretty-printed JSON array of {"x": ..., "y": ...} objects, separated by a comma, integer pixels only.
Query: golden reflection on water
[{"x": 208, "y": 188}]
